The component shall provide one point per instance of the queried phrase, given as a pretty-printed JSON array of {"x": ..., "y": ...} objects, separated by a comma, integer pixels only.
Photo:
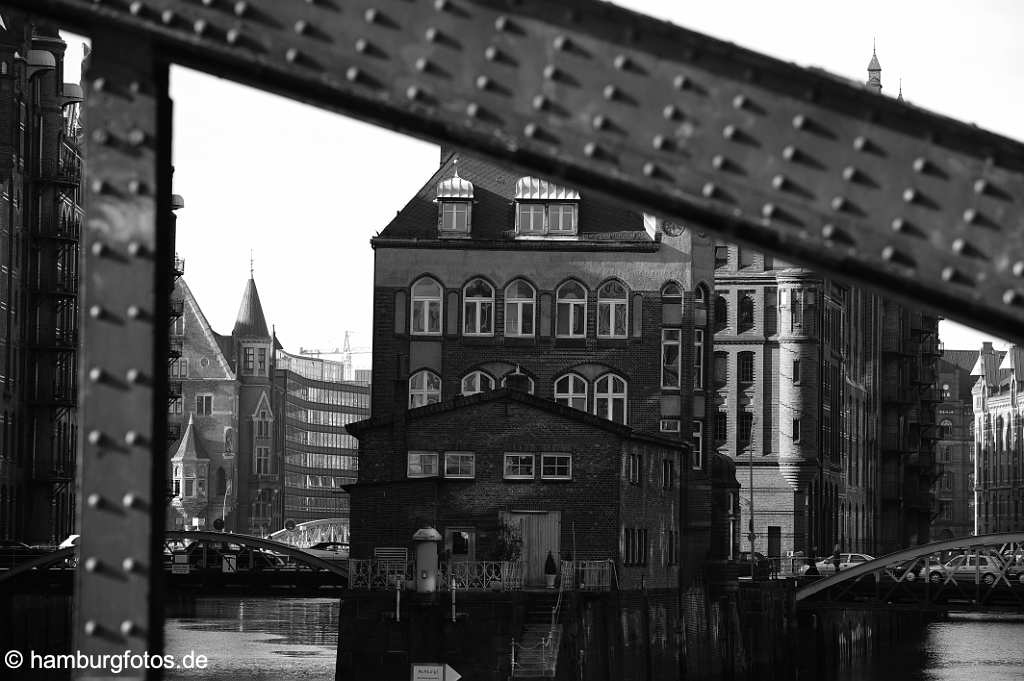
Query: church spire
[
  {"x": 874, "y": 71},
  {"x": 250, "y": 322}
]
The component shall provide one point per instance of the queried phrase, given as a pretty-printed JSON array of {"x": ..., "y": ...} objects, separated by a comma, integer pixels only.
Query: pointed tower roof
[
  {"x": 874, "y": 71},
  {"x": 188, "y": 447},
  {"x": 250, "y": 322}
]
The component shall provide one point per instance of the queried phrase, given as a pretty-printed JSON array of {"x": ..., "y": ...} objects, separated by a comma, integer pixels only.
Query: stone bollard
[{"x": 425, "y": 541}]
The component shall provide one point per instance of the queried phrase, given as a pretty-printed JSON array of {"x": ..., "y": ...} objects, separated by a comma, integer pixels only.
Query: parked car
[
  {"x": 329, "y": 550},
  {"x": 758, "y": 568},
  {"x": 968, "y": 568},
  {"x": 825, "y": 566},
  {"x": 209, "y": 556},
  {"x": 914, "y": 570}
]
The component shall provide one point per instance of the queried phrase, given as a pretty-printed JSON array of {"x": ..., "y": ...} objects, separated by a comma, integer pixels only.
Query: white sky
[{"x": 306, "y": 189}]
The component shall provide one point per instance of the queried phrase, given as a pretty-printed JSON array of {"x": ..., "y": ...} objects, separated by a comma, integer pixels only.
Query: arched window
[
  {"x": 426, "y": 307},
  {"x": 476, "y": 382},
  {"x": 520, "y": 303},
  {"x": 571, "y": 311},
  {"x": 745, "y": 319},
  {"x": 671, "y": 290},
  {"x": 222, "y": 482},
  {"x": 700, "y": 295},
  {"x": 571, "y": 390},
  {"x": 504, "y": 381},
  {"x": 424, "y": 388},
  {"x": 945, "y": 429},
  {"x": 612, "y": 306},
  {"x": 478, "y": 308},
  {"x": 610, "y": 398},
  {"x": 721, "y": 313}
]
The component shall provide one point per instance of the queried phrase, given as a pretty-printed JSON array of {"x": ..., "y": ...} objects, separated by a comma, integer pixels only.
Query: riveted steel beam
[
  {"x": 125, "y": 300},
  {"x": 790, "y": 160}
]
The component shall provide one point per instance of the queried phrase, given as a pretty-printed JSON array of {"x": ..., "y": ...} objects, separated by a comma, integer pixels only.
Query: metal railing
[
  {"x": 376, "y": 574},
  {"x": 373, "y": 574},
  {"x": 586, "y": 575}
]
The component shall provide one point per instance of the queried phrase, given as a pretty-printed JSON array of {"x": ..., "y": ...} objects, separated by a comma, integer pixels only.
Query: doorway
[{"x": 541, "y": 532}]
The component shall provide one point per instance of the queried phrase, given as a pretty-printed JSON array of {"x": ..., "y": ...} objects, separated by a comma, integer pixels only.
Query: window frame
[
  {"x": 420, "y": 454},
  {"x": 665, "y": 425},
  {"x": 698, "y": 359},
  {"x": 745, "y": 367},
  {"x": 533, "y": 385},
  {"x": 265, "y": 459},
  {"x": 534, "y": 208},
  {"x": 560, "y": 206},
  {"x": 697, "y": 444},
  {"x": 571, "y": 394},
  {"x": 207, "y": 400},
  {"x": 478, "y": 304},
  {"x": 612, "y": 396},
  {"x": 460, "y": 455},
  {"x": 796, "y": 430},
  {"x": 522, "y": 456},
  {"x": 575, "y": 309},
  {"x": 635, "y": 466},
  {"x": 612, "y": 306},
  {"x": 666, "y": 344},
  {"x": 451, "y": 208},
  {"x": 479, "y": 375},
  {"x": 426, "y": 392},
  {"x": 519, "y": 304},
  {"x": 424, "y": 304},
  {"x": 545, "y": 456}
]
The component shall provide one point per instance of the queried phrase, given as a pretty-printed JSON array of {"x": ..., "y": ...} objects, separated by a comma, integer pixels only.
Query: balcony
[
  {"x": 61, "y": 228},
  {"x": 65, "y": 169},
  {"x": 174, "y": 348},
  {"x": 174, "y": 390}
]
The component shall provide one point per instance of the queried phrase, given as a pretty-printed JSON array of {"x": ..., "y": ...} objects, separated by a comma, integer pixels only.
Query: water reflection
[{"x": 255, "y": 639}]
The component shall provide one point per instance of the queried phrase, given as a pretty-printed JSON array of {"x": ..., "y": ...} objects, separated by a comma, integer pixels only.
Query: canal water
[{"x": 249, "y": 639}]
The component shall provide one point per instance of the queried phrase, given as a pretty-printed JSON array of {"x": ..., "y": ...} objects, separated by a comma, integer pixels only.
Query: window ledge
[{"x": 570, "y": 342}]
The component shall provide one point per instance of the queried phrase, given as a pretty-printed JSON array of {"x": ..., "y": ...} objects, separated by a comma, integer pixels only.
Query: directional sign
[
  {"x": 229, "y": 563},
  {"x": 180, "y": 565},
  {"x": 432, "y": 671}
]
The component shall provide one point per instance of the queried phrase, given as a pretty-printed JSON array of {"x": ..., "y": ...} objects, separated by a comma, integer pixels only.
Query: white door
[{"x": 541, "y": 531}]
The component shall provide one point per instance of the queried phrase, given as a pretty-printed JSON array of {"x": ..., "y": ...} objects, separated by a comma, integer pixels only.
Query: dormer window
[
  {"x": 543, "y": 208},
  {"x": 454, "y": 205}
]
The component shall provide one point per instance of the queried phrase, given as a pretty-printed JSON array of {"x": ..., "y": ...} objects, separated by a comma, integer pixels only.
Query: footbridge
[{"x": 982, "y": 573}]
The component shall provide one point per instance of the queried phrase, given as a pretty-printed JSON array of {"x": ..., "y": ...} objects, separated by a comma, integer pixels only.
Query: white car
[
  {"x": 846, "y": 561},
  {"x": 970, "y": 569}
]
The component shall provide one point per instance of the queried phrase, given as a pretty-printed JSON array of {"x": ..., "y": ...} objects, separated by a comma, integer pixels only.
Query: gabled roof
[
  {"x": 250, "y": 322},
  {"x": 188, "y": 448},
  {"x": 988, "y": 367},
  {"x": 550, "y": 406},
  {"x": 493, "y": 216},
  {"x": 220, "y": 344},
  {"x": 964, "y": 359},
  {"x": 1013, "y": 364}
]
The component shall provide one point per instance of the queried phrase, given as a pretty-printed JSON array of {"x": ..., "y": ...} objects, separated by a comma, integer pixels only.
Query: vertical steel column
[{"x": 126, "y": 283}]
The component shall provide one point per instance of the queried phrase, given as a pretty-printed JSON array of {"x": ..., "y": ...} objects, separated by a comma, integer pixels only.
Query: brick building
[
  {"x": 998, "y": 445},
  {"x": 954, "y": 450},
  {"x": 40, "y": 231},
  {"x": 486, "y": 274}
]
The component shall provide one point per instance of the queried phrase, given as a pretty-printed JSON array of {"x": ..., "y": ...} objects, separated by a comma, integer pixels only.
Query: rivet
[
  {"x": 729, "y": 132},
  {"x": 540, "y": 102},
  {"x": 483, "y": 82},
  {"x": 622, "y": 62},
  {"x": 241, "y": 8},
  {"x": 829, "y": 232},
  {"x": 910, "y": 195},
  {"x": 136, "y": 249},
  {"x": 530, "y": 130},
  {"x": 134, "y": 312},
  {"x": 860, "y": 143},
  {"x": 132, "y": 438},
  {"x": 491, "y": 53},
  {"x": 99, "y": 84},
  {"x": 501, "y": 23},
  {"x": 681, "y": 82},
  {"x": 1011, "y": 297},
  {"x": 91, "y": 628},
  {"x": 440, "y": 5},
  {"x": 850, "y": 173},
  {"x": 422, "y": 65},
  {"x": 99, "y": 249},
  {"x": 610, "y": 92},
  {"x": 779, "y": 182},
  {"x": 209, "y": 3},
  {"x": 131, "y": 500},
  {"x": 472, "y": 109},
  {"x": 839, "y": 203},
  {"x": 739, "y": 101},
  {"x": 970, "y": 216},
  {"x": 100, "y": 136},
  {"x": 292, "y": 55},
  {"x": 129, "y": 565},
  {"x": 590, "y": 149},
  {"x": 649, "y": 169},
  {"x": 167, "y": 16},
  {"x": 95, "y": 437},
  {"x": 362, "y": 45},
  {"x": 899, "y": 225},
  {"x": 301, "y": 27},
  {"x": 959, "y": 245},
  {"x": 352, "y": 74},
  {"x": 790, "y": 152},
  {"x": 371, "y": 15},
  {"x": 199, "y": 26},
  {"x": 99, "y": 186},
  {"x": 669, "y": 112},
  {"x": 709, "y": 190},
  {"x": 981, "y": 186},
  {"x": 561, "y": 42},
  {"x": 768, "y": 210},
  {"x": 599, "y": 122},
  {"x": 135, "y": 376},
  {"x": 97, "y": 375},
  {"x": 1018, "y": 268},
  {"x": 948, "y": 273},
  {"x": 128, "y": 628},
  {"x": 91, "y": 564},
  {"x": 659, "y": 142},
  {"x": 97, "y": 312},
  {"x": 888, "y": 253},
  {"x": 412, "y": 92},
  {"x": 135, "y": 187},
  {"x": 799, "y": 121},
  {"x": 431, "y": 34},
  {"x": 136, "y": 8},
  {"x": 234, "y": 35},
  {"x": 550, "y": 72},
  {"x": 920, "y": 165},
  {"x": 94, "y": 500}
]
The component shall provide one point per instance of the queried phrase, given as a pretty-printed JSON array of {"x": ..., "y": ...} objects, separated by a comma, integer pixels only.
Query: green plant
[{"x": 550, "y": 568}]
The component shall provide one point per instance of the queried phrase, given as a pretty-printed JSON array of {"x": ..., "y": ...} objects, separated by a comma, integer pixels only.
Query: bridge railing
[
  {"x": 587, "y": 575},
  {"x": 376, "y": 574}
]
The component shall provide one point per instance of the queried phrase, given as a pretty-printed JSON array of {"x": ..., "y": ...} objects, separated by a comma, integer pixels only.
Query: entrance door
[{"x": 541, "y": 531}]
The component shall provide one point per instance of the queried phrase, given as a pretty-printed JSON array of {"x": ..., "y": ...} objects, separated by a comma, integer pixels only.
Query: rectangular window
[
  {"x": 518, "y": 467},
  {"x": 796, "y": 298},
  {"x": 697, "y": 440},
  {"x": 746, "y": 367},
  {"x": 721, "y": 256},
  {"x": 746, "y": 257},
  {"x": 670, "y": 362},
  {"x": 721, "y": 368},
  {"x": 572, "y": 318},
  {"x": 261, "y": 361},
  {"x": 635, "y": 546},
  {"x": 421, "y": 465},
  {"x": 204, "y": 405},
  {"x": 721, "y": 426},
  {"x": 459, "y": 465},
  {"x": 635, "y": 468},
  {"x": 668, "y": 473},
  {"x": 248, "y": 360},
  {"x": 519, "y": 318},
  {"x": 454, "y": 216},
  {"x": 611, "y": 318},
  {"x": 796, "y": 371},
  {"x": 796, "y": 430},
  {"x": 672, "y": 548},
  {"x": 562, "y": 218},
  {"x": 556, "y": 467},
  {"x": 669, "y": 425},
  {"x": 179, "y": 368},
  {"x": 178, "y": 326},
  {"x": 530, "y": 218},
  {"x": 177, "y": 406},
  {"x": 261, "y": 462},
  {"x": 262, "y": 429},
  {"x": 698, "y": 359},
  {"x": 746, "y": 428}
]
